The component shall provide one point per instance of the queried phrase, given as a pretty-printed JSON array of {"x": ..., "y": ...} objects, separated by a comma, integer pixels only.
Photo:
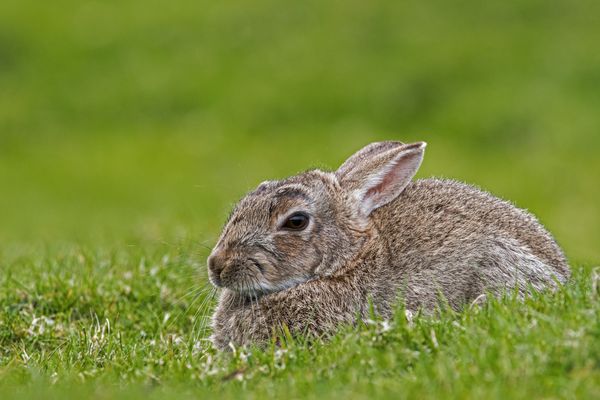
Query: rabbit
[{"x": 322, "y": 249}]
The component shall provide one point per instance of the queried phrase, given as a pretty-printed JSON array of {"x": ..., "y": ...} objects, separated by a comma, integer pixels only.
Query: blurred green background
[{"x": 134, "y": 122}]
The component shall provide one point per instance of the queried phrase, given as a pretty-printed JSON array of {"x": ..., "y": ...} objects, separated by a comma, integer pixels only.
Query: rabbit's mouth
[
  {"x": 253, "y": 278},
  {"x": 242, "y": 276}
]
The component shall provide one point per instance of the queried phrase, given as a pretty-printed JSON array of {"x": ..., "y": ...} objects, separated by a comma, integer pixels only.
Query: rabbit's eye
[{"x": 296, "y": 222}]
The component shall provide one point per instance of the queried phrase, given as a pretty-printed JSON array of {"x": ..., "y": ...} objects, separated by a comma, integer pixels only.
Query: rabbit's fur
[{"x": 373, "y": 237}]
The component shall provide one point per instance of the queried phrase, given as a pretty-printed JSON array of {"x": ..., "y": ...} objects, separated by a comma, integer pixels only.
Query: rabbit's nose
[{"x": 216, "y": 262}]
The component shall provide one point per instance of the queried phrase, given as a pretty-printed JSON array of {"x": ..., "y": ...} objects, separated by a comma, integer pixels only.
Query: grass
[
  {"x": 133, "y": 331},
  {"x": 128, "y": 129}
]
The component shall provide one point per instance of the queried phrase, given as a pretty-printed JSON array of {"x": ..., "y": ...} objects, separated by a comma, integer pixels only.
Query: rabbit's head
[{"x": 310, "y": 225}]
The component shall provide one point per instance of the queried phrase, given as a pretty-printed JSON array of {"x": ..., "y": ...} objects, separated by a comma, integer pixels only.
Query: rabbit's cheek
[
  {"x": 271, "y": 274},
  {"x": 290, "y": 247}
]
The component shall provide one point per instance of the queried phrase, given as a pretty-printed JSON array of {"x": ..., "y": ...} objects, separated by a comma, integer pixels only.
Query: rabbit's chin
[{"x": 265, "y": 288}]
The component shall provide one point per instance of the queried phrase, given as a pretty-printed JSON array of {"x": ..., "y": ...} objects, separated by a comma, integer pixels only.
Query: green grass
[
  {"x": 131, "y": 331},
  {"x": 128, "y": 129}
]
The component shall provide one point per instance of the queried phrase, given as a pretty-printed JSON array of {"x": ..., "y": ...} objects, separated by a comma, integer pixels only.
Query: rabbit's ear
[
  {"x": 364, "y": 155},
  {"x": 378, "y": 173}
]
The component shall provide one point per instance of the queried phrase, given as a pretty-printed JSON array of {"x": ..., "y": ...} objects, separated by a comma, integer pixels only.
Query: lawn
[{"x": 129, "y": 129}]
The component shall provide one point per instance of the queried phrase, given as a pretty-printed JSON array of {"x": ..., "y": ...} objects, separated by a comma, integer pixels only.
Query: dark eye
[{"x": 296, "y": 222}]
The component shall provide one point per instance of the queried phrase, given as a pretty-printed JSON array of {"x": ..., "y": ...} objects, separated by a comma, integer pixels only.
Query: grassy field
[{"x": 128, "y": 129}]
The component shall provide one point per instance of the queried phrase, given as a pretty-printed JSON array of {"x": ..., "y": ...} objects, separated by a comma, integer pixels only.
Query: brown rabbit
[{"x": 313, "y": 251}]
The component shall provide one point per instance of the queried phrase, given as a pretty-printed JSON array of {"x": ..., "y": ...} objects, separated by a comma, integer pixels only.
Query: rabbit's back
[{"x": 450, "y": 234}]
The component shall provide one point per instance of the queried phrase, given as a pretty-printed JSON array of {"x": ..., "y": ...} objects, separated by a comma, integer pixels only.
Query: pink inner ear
[
  {"x": 393, "y": 181},
  {"x": 387, "y": 180}
]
